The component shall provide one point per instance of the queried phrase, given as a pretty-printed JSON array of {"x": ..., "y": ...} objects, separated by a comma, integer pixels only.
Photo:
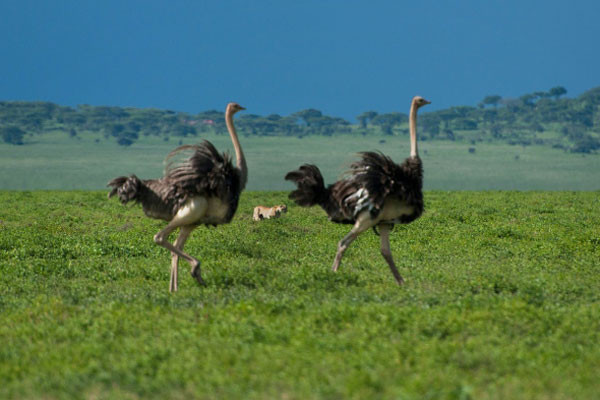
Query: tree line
[{"x": 542, "y": 118}]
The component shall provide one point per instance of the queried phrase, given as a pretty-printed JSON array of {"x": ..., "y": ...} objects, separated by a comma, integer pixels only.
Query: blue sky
[{"x": 342, "y": 57}]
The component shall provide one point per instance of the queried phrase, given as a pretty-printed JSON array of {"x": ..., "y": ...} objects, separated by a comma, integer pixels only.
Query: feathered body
[
  {"x": 370, "y": 182},
  {"x": 204, "y": 188},
  {"x": 375, "y": 192},
  {"x": 205, "y": 173}
]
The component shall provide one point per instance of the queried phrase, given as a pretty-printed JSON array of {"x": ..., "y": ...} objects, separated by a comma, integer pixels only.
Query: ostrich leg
[
  {"x": 184, "y": 234},
  {"x": 384, "y": 232},
  {"x": 363, "y": 222},
  {"x": 161, "y": 239}
]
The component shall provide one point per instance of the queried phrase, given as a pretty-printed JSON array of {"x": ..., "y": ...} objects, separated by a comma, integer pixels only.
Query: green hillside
[{"x": 541, "y": 118}]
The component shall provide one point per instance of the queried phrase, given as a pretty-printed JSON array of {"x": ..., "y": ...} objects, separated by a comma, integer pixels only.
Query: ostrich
[
  {"x": 203, "y": 189},
  {"x": 375, "y": 193}
]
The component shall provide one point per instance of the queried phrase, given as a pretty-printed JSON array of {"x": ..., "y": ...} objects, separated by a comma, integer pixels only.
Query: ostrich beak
[
  {"x": 242, "y": 108},
  {"x": 427, "y": 102}
]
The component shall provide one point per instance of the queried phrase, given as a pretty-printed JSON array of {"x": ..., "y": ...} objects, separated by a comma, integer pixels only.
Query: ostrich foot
[
  {"x": 195, "y": 272},
  {"x": 335, "y": 266},
  {"x": 396, "y": 274}
]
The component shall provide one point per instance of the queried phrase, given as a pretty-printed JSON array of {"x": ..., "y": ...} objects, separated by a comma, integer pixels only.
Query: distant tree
[
  {"x": 309, "y": 116},
  {"x": 387, "y": 121},
  {"x": 528, "y": 99},
  {"x": 446, "y": 116},
  {"x": 362, "y": 120},
  {"x": 496, "y": 131},
  {"x": 183, "y": 130},
  {"x": 557, "y": 91},
  {"x": 464, "y": 124},
  {"x": 513, "y": 105},
  {"x": 252, "y": 124},
  {"x": 365, "y": 117},
  {"x": 492, "y": 100},
  {"x": 585, "y": 143},
  {"x": 536, "y": 127},
  {"x": 490, "y": 116},
  {"x": 370, "y": 115},
  {"x": 313, "y": 121},
  {"x": 116, "y": 129},
  {"x": 431, "y": 124},
  {"x": 33, "y": 122},
  {"x": 12, "y": 135},
  {"x": 134, "y": 126},
  {"x": 274, "y": 117},
  {"x": 591, "y": 96},
  {"x": 127, "y": 138}
]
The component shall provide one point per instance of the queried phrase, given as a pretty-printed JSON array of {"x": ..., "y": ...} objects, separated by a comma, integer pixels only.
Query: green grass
[
  {"x": 501, "y": 301},
  {"x": 56, "y": 162}
]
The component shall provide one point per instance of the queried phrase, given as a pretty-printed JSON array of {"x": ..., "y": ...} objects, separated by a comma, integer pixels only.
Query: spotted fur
[{"x": 262, "y": 212}]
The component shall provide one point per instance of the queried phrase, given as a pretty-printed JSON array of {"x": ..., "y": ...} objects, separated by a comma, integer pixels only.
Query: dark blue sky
[{"x": 342, "y": 57}]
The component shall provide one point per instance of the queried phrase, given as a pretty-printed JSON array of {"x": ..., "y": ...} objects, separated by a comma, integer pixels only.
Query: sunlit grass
[{"x": 501, "y": 301}]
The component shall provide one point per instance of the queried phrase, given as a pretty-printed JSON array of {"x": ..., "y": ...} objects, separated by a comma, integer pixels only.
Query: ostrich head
[
  {"x": 234, "y": 107},
  {"x": 420, "y": 102}
]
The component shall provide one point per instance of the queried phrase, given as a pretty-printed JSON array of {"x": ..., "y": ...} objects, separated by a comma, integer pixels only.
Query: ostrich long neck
[
  {"x": 412, "y": 124},
  {"x": 239, "y": 154}
]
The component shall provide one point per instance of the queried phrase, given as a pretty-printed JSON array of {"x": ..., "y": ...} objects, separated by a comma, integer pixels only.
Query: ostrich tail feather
[
  {"x": 310, "y": 186},
  {"x": 127, "y": 188}
]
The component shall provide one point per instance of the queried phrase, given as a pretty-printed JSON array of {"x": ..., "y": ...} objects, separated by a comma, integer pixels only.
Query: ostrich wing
[
  {"x": 205, "y": 173},
  {"x": 375, "y": 177}
]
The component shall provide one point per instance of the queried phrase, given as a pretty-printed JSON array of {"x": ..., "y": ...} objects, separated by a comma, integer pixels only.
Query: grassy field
[
  {"x": 56, "y": 162},
  {"x": 501, "y": 302}
]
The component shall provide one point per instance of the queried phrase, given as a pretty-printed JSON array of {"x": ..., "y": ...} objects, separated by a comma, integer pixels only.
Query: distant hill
[{"x": 540, "y": 118}]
